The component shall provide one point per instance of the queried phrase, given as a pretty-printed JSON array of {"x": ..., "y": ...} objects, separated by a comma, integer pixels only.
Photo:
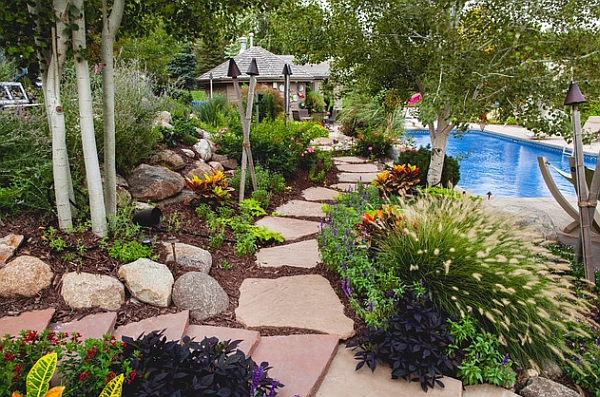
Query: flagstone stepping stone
[
  {"x": 249, "y": 339},
  {"x": 303, "y": 254},
  {"x": 347, "y": 186},
  {"x": 487, "y": 390},
  {"x": 291, "y": 229},
  {"x": 319, "y": 194},
  {"x": 173, "y": 324},
  {"x": 342, "y": 381},
  {"x": 350, "y": 160},
  {"x": 301, "y": 208},
  {"x": 365, "y": 177},
  {"x": 300, "y": 362},
  {"x": 94, "y": 326},
  {"x": 36, "y": 320},
  {"x": 306, "y": 301},
  {"x": 366, "y": 167}
]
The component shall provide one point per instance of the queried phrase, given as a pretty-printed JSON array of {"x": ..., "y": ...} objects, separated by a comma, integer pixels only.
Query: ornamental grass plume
[{"x": 474, "y": 262}]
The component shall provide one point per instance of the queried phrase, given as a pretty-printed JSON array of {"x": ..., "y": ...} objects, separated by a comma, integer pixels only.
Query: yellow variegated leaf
[
  {"x": 39, "y": 376},
  {"x": 114, "y": 388}
]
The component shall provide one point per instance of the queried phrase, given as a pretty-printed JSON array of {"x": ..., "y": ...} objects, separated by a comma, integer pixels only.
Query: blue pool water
[{"x": 504, "y": 166}]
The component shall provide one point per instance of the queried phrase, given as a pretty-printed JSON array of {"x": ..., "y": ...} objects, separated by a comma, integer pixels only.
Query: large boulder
[
  {"x": 190, "y": 256},
  {"x": 204, "y": 149},
  {"x": 85, "y": 290},
  {"x": 200, "y": 294},
  {"x": 24, "y": 277},
  {"x": 225, "y": 161},
  {"x": 154, "y": 183},
  {"x": 168, "y": 158},
  {"x": 542, "y": 387},
  {"x": 148, "y": 281},
  {"x": 537, "y": 222}
]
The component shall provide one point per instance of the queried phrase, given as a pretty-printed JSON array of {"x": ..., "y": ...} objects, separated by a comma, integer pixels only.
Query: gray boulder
[
  {"x": 200, "y": 294},
  {"x": 216, "y": 165},
  {"x": 204, "y": 149},
  {"x": 535, "y": 220},
  {"x": 85, "y": 290},
  {"x": 189, "y": 153},
  {"x": 148, "y": 281},
  {"x": 24, "y": 277},
  {"x": 190, "y": 256},
  {"x": 542, "y": 387},
  {"x": 168, "y": 158},
  {"x": 163, "y": 119},
  {"x": 154, "y": 183},
  {"x": 225, "y": 161}
]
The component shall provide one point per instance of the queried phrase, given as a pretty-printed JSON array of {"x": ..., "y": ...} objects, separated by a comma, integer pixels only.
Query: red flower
[
  {"x": 90, "y": 354},
  {"x": 83, "y": 376},
  {"x": 110, "y": 377},
  {"x": 9, "y": 356},
  {"x": 132, "y": 376}
]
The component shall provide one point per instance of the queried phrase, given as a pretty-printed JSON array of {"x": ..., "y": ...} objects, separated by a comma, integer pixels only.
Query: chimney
[
  {"x": 243, "y": 42},
  {"x": 251, "y": 40}
]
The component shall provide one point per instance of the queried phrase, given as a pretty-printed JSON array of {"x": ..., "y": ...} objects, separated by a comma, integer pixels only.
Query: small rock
[
  {"x": 148, "y": 281},
  {"x": 201, "y": 169},
  {"x": 85, "y": 290},
  {"x": 189, "y": 153},
  {"x": 163, "y": 119},
  {"x": 542, "y": 387},
  {"x": 203, "y": 134},
  {"x": 204, "y": 150},
  {"x": 216, "y": 165},
  {"x": 9, "y": 245},
  {"x": 200, "y": 294},
  {"x": 190, "y": 256},
  {"x": 154, "y": 183},
  {"x": 225, "y": 161},
  {"x": 25, "y": 276}
]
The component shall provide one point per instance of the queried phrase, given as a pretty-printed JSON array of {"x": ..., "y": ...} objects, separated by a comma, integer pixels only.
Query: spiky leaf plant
[{"x": 474, "y": 261}]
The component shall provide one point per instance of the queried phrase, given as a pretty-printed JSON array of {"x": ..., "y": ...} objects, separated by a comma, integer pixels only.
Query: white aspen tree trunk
[
  {"x": 439, "y": 140},
  {"x": 86, "y": 121},
  {"x": 110, "y": 25},
  {"x": 52, "y": 61}
]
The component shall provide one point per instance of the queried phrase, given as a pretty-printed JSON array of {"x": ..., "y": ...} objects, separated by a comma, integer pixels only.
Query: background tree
[
  {"x": 183, "y": 68},
  {"x": 465, "y": 58}
]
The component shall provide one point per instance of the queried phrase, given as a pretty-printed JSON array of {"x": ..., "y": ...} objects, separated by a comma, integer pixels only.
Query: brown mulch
[{"x": 192, "y": 230}]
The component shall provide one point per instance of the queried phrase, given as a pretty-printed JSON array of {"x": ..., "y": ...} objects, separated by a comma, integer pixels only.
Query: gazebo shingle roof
[{"x": 270, "y": 66}]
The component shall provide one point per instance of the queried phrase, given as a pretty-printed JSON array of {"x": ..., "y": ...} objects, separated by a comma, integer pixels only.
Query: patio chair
[
  {"x": 300, "y": 115},
  {"x": 329, "y": 121},
  {"x": 560, "y": 199}
]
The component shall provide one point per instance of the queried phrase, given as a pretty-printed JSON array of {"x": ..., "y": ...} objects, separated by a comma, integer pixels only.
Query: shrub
[
  {"x": 183, "y": 131},
  {"x": 413, "y": 342},
  {"x": 399, "y": 179},
  {"x": 213, "y": 189},
  {"x": 314, "y": 101},
  {"x": 189, "y": 368},
  {"x": 373, "y": 144},
  {"x": 214, "y": 111},
  {"x": 421, "y": 158},
  {"x": 271, "y": 104}
]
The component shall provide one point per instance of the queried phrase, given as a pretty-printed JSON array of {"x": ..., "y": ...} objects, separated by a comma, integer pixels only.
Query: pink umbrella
[{"x": 414, "y": 99}]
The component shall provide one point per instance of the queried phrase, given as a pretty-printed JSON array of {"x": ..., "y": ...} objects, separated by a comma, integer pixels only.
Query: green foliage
[
  {"x": 182, "y": 67},
  {"x": 214, "y": 111},
  {"x": 271, "y": 104},
  {"x": 252, "y": 207},
  {"x": 481, "y": 361},
  {"x": 266, "y": 236},
  {"x": 25, "y": 162},
  {"x": 314, "y": 101},
  {"x": 317, "y": 162},
  {"x": 266, "y": 181},
  {"x": 399, "y": 179},
  {"x": 422, "y": 158},
  {"x": 363, "y": 111},
  {"x": 584, "y": 366},
  {"x": 183, "y": 132},
  {"x": 129, "y": 251}
]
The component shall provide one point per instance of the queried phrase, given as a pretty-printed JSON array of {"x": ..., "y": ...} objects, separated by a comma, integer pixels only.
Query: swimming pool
[{"x": 504, "y": 166}]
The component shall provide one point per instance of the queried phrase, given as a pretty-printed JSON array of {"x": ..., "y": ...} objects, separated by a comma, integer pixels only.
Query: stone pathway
[{"x": 309, "y": 365}]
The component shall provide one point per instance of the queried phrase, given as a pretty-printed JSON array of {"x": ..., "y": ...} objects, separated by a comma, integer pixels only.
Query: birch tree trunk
[
  {"x": 52, "y": 61},
  {"x": 439, "y": 140},
  {"x": 110, "y": 25},
  {"x": 86, "y": 121}
]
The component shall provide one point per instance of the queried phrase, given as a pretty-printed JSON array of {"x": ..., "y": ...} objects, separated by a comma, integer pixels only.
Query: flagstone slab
[
  {"x": 301, "y": 209},
  {"x": 249, "y": 339},
  {"x": 306, "y": 301},
  {"x": 174, "y": 326},
  {"x": 487, "y": 391},
  {"x": 342, "y": 380},
  {"x": 363, "y": 167},
  {"x": 347, "y": 186},
  {"x": 365, "y": 177},
  {"x": 304, "y": 254},
  {"x": 290, "y": 228},
  {"x": 300, "y": 362},
  {"x": 36, "y": 320},
  {"x": 349, "y": 160},
  {"x": 320, "y": 194},
  {"x": 94, "y": 326}
]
